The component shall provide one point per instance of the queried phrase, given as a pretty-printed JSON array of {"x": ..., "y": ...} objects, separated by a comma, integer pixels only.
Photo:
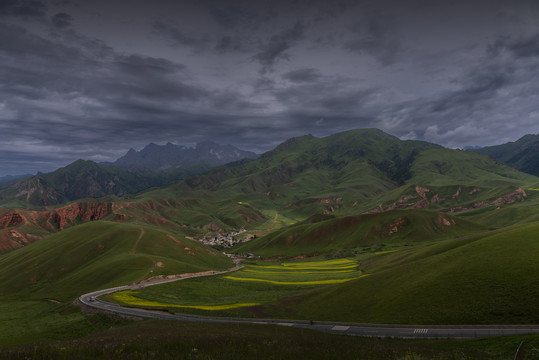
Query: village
[{"x": 227, "y": 240}]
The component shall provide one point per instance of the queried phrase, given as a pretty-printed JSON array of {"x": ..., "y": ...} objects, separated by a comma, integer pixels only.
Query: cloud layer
[{"x": 90, "y": 80}]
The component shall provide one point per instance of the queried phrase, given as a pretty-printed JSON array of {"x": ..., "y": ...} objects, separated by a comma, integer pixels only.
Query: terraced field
[{"x": 243, "y": 290}]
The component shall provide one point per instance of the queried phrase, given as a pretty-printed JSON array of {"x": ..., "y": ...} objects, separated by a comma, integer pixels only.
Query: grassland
[
  {"x": 353, "y": 233},
  {"x": 239, "y": 293},
  {"x": 401, "y": 266},
  {"x": 486, "y": 279},
  {"x": 40, "y": 281},
  {"x": 490, "y": 279}
]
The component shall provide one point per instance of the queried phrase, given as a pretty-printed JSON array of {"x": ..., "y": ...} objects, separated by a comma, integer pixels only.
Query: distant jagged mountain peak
[{"x": 170, "y": 155}]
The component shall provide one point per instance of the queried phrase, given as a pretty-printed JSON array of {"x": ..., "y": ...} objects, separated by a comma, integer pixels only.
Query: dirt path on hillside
[
  {"x": 134, "y": 249},
  {"x": 271, "y": 226}
]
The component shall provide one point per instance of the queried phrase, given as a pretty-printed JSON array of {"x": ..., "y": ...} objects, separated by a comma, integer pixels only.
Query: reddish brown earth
[{"x": 22, "y": 227}]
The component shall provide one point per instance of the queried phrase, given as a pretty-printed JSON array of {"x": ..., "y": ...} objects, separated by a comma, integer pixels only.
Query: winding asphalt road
[{"x": 358, "y": 329}]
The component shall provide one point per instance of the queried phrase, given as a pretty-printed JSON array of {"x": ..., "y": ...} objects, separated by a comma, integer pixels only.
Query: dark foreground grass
[{"x": 178, "y": 340}]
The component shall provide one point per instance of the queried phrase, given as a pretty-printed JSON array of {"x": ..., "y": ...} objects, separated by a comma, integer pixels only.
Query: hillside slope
[
  {"x": 522, "y": 154},
  {"x": 354, "y": 172},
  {"x": 488, "y": 279},
  {"x": 19, "y": 228},
  {"x": 79, "y": 180},
  {"x": 352, "y": 233},
  {"x": 98, "y": 255}
]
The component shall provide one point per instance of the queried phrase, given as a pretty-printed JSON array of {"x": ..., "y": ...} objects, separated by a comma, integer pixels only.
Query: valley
[{"x": 356, "y": 227}]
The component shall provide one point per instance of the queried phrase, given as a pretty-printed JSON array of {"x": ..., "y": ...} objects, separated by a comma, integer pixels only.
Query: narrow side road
[{"x": 357, "y": 329}]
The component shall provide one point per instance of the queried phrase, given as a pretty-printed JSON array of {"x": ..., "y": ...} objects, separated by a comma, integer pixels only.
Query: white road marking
[
  {"x": 340, "y": 328},
  {"x": 421, "y": 331},
  {"x": 286, "y": 324}
]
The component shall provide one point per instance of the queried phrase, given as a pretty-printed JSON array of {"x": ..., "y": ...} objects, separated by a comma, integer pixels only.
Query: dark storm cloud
[
  {"x": 233, "y": 17},
  {"x": 313, "y": 95},
  {"x": 23, "y": 8},
  {"x": 520, "y": 47},
  {"x": 178, "y": 36},
  {"x": 229, "y": 44},
  {"x": 276, "y": 47},
  {"x": 256, "y": 73},
  {"x": 302, "y": 75},
  {"x": 60, "y": 98},
  {"x": 372, "y": 37},
  {"x": 61, "y": 20},
  {"x": 473, "y": 113}
]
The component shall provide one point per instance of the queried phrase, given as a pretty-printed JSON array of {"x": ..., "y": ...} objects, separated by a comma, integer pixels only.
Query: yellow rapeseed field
[
  {"x": 313, "y": 282},
  {"x": 128, "y": 298}
]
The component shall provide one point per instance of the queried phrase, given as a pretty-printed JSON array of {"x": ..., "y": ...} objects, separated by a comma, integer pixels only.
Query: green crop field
[{"x": 254, "y": 285}]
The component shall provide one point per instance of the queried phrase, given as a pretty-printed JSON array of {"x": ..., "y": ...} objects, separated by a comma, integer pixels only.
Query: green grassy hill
[
  {"x": 355, "y": 232},
  {"x": 522, "y": 154},
  {"x": 97, "y": 255},
  {"x": 483, "y": 279},
  {"x": 353, "y": 172},
  {"x": 40, "y": 281},
  {"x": 489, "y": 279}
]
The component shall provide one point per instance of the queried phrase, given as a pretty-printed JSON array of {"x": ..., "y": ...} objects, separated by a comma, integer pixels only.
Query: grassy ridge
[
  {"x": 337, "y": 234},
  {"x": 99, "y": 255},
  {"x": 41, "y": 280}
]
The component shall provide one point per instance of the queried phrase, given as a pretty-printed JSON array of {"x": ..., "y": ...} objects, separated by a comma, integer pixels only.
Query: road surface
[{"x": 358, "y": 329}]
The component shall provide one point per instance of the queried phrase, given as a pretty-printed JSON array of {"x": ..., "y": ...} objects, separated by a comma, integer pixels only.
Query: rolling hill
[
  {"x": 355, "y": 172},
  {"x": 101, "y": 254},
  {"x": 352, "y": 234},
  {"x": 522, "y": 154},
  {"x": 358, "y": 171},
  {"x": 404, "y": 211},
  {"x": 487, "y": 279}
]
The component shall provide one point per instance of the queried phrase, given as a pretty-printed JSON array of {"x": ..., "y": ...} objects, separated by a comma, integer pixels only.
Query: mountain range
[
  {"x": 163, "y": 157},
  {"x": 155, "y": 165},
  {"x": 356, "y": 172}
]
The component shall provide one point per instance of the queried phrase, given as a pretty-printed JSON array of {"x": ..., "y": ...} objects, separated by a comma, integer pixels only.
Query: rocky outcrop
[
  {"x": 518, "y": 195},
  {"x": 446, "y": 221},
  {"x": 18, "y": 226},
  {"x": 436, "y": 199},
  {"x": 457, "y": 194},
  {"x": 396, "y": 225},
  {"x": 79, "y": 213},
  {"x": 421, "y": 191},
  {"x": 11, "y": 220},
  {"x": 334, "y": 199}
]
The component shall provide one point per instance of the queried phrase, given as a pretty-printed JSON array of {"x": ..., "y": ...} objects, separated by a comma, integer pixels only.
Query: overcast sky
[{"x": 91, "y": 79}]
